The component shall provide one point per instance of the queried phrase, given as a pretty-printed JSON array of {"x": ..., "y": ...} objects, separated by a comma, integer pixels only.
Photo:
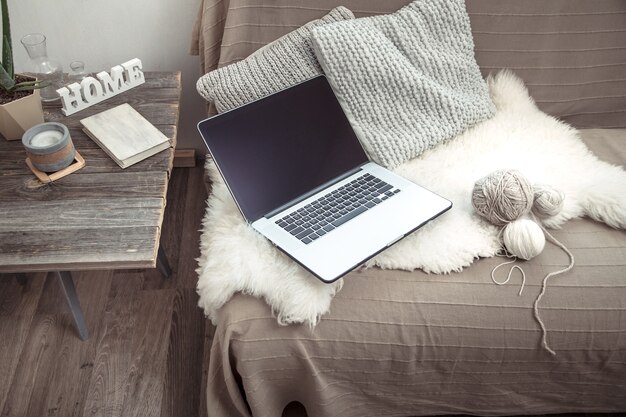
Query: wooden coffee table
[{"x": 100, "y": 217}]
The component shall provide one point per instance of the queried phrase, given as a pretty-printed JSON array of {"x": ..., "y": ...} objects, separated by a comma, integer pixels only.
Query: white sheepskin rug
[{"x": 234, "y": 258}]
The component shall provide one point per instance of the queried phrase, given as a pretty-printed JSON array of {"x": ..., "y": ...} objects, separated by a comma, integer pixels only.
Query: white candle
[{"x": 46, "y": 138}]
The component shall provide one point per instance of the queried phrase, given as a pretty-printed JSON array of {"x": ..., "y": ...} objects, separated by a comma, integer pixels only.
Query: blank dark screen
[{"x": 280, "y": 147}]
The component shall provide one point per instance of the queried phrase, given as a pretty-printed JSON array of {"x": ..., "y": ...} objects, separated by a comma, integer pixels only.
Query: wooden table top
[{"x": 100, "y": 217}]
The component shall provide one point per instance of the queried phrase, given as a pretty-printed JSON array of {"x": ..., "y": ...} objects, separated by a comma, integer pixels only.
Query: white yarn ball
[{"x": 524, "y": 238}]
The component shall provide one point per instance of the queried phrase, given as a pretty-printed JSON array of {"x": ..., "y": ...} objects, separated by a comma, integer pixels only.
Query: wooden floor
[{"x": 148, "y": 337}]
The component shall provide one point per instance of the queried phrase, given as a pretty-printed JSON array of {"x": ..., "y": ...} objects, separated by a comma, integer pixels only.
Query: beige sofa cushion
[{"x": 570, "y": 53}]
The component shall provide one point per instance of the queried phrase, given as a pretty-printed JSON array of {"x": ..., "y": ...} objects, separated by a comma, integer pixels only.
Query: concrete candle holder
[{"x": 49, "y": 146}]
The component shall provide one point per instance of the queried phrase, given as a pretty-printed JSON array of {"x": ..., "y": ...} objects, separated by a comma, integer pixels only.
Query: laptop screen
[{"x": 276, "y": 149}]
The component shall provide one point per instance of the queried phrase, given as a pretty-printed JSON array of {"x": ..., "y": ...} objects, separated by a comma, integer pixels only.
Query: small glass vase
[
  {"x": 43, "y": 68},
  {"x": 77, "y": 72}
]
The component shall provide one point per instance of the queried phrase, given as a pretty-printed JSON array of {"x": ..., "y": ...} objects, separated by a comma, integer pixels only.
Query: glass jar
[
  {"x": 47, "y": 70},
  {"x": 77, "y": 72}
]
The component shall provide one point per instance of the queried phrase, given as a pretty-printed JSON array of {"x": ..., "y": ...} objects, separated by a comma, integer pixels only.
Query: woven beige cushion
[
  {"x": 278, "y": 65},
  {"x": 408, "y": 80}
]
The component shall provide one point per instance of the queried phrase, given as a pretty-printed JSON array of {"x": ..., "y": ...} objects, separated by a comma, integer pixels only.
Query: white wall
[{"x": 104, "y": 33}]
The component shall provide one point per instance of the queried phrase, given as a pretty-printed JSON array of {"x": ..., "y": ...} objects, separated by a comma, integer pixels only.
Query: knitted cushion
[
  {"x": 407, "y": 80},
  {"x": 276, "y": 66}
]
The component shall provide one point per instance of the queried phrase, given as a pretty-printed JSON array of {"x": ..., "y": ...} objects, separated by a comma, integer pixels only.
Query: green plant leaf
[
  {"x": 29, "y": 88},
  {"x": 6, "y": 82},
  {"x": 7, "y": 57},
  {"x": 31, "y": 84},
  {"x": 7, "y": 52}
]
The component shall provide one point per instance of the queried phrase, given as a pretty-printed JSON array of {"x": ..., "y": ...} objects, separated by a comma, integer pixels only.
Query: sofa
[{"x": 399, "y": 343}]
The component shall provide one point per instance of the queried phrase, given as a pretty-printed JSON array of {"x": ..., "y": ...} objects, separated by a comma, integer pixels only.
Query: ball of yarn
[
  {"x": 548, "y": 201},
  {"x": 524, "y": 238},
  {"x": 502, "y": 196}
]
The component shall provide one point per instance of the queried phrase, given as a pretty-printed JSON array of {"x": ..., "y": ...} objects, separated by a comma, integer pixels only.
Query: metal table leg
[
  {"x": 65, "y": 278},
  {"x": 162, "y": 264}
]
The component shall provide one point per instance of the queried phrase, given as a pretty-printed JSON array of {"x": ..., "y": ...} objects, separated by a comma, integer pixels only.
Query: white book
[{"x": 125, "y": 135}]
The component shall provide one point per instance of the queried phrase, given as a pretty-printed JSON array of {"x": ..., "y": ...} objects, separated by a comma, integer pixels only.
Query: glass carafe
[{"x": 43, "y": 68}]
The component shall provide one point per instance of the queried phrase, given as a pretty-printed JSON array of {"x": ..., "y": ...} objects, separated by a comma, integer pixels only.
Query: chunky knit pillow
[
  {"x": 407, "y": 80},
  {"x": 276, "y": 66}
]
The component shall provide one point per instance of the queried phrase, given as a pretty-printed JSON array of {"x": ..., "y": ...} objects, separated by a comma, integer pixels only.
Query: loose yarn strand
[
  {"x": 493, "y": 271},
  {"x": 544, "y": 341},
  {"x": 506, "y": 254}
]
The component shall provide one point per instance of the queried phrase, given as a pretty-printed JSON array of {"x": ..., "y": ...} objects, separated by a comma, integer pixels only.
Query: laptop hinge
[{"x": 313, "y": 191}]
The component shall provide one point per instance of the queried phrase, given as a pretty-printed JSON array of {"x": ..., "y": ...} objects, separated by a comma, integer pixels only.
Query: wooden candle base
[{"x": 78, "y": 163}]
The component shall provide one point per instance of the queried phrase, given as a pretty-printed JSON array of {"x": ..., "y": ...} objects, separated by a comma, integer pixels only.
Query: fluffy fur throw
[{"x": 234, "y": 258}]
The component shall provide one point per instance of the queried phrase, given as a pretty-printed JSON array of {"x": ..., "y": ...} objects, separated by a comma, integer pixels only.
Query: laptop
[{"x": 301, "y": 178}]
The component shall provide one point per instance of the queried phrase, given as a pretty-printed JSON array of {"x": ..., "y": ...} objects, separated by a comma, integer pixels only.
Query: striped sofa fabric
[{"x": 571, "y": 53}]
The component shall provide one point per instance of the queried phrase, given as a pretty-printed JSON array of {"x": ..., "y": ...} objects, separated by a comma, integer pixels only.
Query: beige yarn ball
[
  {"x": 524, "y": 238},
  {"x": 502, "y": 196},
  {"x": 548, "y": 201}
]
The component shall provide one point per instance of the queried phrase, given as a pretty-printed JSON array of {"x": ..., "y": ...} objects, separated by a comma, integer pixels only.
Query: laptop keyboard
[{"x": 336, "y": 208}]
